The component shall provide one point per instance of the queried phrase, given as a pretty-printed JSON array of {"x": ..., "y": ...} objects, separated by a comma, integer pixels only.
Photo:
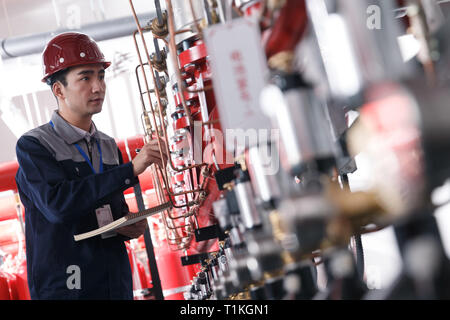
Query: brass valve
[
  {"x": 160, "y": 31},
  {"x": 159, "y": 64}
]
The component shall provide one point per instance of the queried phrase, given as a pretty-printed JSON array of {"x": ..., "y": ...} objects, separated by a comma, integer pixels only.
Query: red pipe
[
  {"x": 288, "y": 29},
  {"x": 7, "y": 176},
  {"x": 8, "y": 208},
  {"x": 128, "y": 148}
]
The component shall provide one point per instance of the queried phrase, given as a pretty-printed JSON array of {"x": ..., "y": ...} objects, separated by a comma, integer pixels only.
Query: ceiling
[{"x": 24, "y": 17}]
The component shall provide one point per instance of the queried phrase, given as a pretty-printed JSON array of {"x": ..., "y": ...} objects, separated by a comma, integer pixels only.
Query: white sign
[{"x": 239, "y": 71}]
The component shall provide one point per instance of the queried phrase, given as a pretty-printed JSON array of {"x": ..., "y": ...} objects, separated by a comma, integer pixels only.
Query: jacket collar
[{"x": 68, "y": 133}]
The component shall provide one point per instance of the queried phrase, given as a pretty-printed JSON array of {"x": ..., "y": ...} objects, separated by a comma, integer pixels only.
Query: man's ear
[{"x": 58, "y": 91}]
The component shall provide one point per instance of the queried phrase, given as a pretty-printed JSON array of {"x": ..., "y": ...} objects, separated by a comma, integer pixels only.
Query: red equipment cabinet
[
  {"x": 175, "y": 278},
  {"x": 4, "y": 287},
  {"x": 22, "y": 281}
]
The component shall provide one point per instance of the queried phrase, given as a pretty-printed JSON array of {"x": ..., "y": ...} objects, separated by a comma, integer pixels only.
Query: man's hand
[
  {"x": 148, "y": 155},
  {"x": 134, "y": 230}
]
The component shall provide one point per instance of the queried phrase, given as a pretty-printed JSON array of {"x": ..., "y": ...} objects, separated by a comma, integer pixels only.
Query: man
[{"x": 71, "y": 180}]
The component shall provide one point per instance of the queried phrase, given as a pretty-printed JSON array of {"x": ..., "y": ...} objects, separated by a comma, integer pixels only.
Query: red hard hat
[{"x": 70, "y": 49}]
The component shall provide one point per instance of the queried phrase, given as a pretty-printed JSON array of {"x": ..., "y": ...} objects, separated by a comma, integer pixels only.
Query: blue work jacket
[{"x": 60, "y": 193}]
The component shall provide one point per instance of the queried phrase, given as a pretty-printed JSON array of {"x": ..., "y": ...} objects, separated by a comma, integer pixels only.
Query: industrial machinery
[
  {"x": 263, "y": 106},
  {"x": 252, "y": 99}
]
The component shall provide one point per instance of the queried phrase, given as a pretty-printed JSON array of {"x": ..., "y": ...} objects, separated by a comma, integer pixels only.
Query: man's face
[{"x": 85, "y": 90}]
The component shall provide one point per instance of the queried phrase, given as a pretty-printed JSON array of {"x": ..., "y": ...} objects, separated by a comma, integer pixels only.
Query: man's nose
[{"x": 98, "y": 85}]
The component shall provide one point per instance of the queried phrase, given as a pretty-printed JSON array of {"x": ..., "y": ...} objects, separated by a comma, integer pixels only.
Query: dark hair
[{"x": 58, "y": 76}]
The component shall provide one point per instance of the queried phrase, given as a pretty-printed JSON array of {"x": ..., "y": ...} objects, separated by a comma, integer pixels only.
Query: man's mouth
[{"x": 96, "y": 100}]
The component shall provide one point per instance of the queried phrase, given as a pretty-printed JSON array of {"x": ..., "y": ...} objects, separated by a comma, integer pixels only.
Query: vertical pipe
[{"x": 159, "y": 13}]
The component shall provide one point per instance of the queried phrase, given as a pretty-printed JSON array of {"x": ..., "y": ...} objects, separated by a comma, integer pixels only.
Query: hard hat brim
[{"x": 106, "y": 64}]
